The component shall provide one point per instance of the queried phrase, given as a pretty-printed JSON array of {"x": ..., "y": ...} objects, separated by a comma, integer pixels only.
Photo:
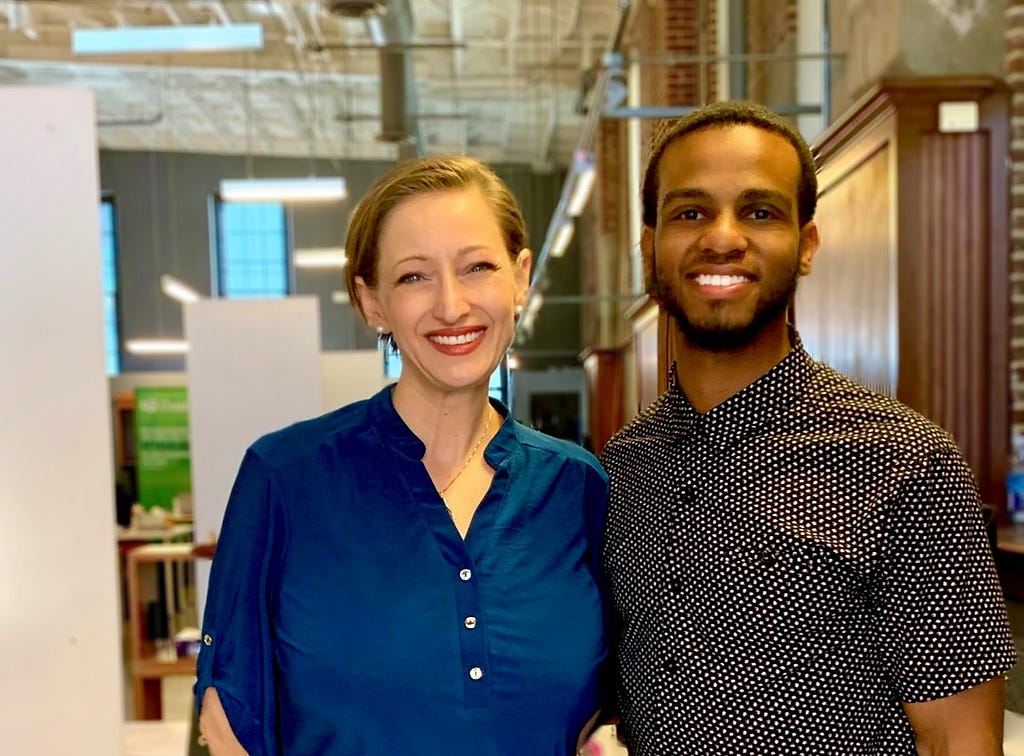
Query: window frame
[
  {"x": 217, "y": 272},
  {"x": 117, "y": 353}
]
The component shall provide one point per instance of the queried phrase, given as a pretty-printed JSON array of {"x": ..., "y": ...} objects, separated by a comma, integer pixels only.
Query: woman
[{"x": 415, "y": 573}]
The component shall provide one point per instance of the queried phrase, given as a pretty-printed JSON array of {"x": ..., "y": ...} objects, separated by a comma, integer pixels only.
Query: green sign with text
[{"x": 164, "y": 468}]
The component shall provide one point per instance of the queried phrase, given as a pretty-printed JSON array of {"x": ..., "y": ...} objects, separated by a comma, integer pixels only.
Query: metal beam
[
  {"x": 737, "y": 46},
  {"x": 680, "y": 111},
  {"x": 679, "y": 58}
]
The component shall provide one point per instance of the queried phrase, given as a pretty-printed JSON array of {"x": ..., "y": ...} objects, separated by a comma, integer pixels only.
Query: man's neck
[{"x": 708, "y": 378}]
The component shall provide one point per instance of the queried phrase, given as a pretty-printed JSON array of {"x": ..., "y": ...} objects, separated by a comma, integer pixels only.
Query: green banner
[{"x": 164, "y": 468}]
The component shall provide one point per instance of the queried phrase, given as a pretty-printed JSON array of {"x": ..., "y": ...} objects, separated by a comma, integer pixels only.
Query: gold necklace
[{"x": 476, "y": 448}]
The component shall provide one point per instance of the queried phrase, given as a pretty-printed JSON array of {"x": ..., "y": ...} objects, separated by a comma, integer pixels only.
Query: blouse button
[
  {"x": 207, "y": 640},
  {"x": 470, "y": 623},
  {"x": 476, "y": 673},
  {"x": 465, "y": 574}
]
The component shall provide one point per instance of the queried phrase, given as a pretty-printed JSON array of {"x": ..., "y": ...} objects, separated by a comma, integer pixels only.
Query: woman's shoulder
[
  {"x": 563, "y": 449},
  {"x": 304, "y": 436}
]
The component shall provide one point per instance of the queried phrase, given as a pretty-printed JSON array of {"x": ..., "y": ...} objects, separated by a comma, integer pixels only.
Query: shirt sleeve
[
  {"x": 942, "y": 621},
  {"x": 236, "y": 657}
]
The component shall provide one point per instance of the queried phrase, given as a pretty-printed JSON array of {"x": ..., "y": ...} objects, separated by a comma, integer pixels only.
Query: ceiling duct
[
  {"x": 354, "y": 8},
  {"x": 391, "y": 25}
]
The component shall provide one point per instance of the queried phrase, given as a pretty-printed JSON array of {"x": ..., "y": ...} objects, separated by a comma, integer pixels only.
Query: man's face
[{"x": 725, "y": 255}]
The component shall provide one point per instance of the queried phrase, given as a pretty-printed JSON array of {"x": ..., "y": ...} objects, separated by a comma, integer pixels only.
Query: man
[{"x": 798, "y": 565}]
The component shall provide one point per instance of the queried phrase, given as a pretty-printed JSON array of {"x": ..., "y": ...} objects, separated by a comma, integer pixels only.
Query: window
[
  {"x": 252, "y": 249},
  {"x": 108, "y": 248},
  {"x": 498, "y": 386}
]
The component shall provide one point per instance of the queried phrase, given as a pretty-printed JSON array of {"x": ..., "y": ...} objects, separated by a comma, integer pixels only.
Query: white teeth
[
  {"x": 716, "y": 280},
  {"x": 465, "y": 338}
]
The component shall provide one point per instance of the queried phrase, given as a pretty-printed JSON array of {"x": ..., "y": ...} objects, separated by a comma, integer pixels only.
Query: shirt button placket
[{"x": 472, "y": 638}]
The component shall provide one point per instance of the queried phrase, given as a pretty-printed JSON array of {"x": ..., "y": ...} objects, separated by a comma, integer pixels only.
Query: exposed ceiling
[{"x": 497, "y": 79}]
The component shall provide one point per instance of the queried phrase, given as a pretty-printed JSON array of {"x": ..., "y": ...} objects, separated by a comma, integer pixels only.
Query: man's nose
[{"x": 724, "y": 235}]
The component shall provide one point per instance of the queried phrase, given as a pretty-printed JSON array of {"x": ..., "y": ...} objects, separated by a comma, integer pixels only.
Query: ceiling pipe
[{"x": 393, "y": 20}]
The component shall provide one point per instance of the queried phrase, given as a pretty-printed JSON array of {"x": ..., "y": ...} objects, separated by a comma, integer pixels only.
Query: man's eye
[
  {"x": 761, "y": 214},
  {"x": 689, "y": 214}
]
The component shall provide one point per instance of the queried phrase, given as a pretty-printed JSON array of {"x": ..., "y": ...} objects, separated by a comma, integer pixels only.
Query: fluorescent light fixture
[
  {"x": 320, "y": 257},
  {"x": 581, "y": 190},
  {"x": 561, "y": 240},
  {"x": 283, "y": 189},
  {"x": 156, "y": 346},
  {"x": 513, "y": 362},
  {"x": 175, "y": 289},
  {"x": 339, "y": 297},
  {"x": 156, "y": 39}
]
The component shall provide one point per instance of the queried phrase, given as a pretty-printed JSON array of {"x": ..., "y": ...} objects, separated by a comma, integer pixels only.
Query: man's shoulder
[
  {"x": 844, "y": 402},
  {"x": 648, "y": 427}
]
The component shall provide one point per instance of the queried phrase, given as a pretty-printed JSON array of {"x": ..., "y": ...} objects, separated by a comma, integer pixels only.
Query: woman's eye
[
  {"x": 410, "y": 278},
  {"x": 481, "y": 265}
]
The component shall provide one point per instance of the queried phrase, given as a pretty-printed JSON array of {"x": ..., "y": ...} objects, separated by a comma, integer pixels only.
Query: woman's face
[{"x": 446, "y": 289}]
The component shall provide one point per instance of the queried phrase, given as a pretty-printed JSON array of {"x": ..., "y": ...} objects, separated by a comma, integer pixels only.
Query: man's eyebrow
[
  {"x": 674, "y": 195},
  {"x": 766, "y": 195}
]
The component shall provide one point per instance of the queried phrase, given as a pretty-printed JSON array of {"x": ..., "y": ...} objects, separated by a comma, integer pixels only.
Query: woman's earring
[
  {"x": 380, "y": 330},
  {"x": 519, "y": 310}
]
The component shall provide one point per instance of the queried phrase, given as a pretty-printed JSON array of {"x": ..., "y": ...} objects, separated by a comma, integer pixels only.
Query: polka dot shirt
[{"x": 790, "y": 566}]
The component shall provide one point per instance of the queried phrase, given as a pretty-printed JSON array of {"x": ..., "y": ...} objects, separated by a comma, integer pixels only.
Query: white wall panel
[
  {"x": 253, "y": 366},
  {"x": 60, "y": 684}
]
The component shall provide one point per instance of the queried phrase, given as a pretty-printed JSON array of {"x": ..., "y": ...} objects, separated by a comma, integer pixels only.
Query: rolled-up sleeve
[{"x": 236, "y": 657}]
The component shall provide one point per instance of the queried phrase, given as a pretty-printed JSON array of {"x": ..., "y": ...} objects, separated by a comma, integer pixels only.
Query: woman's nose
[{"x": 452, "y": 302}]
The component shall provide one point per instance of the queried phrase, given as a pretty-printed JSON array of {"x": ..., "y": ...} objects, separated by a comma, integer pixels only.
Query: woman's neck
[{"x": 449, "y": 423}]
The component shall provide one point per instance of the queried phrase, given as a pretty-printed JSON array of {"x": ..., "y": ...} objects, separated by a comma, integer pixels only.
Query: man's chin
[{"x": 718, "y": 339}]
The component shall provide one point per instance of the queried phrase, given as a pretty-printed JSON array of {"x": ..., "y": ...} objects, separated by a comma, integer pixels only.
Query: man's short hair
[{"x": 731, "y": 113}]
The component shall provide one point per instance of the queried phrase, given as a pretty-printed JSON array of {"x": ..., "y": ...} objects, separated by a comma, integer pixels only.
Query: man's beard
[{"x": 714, "y": 335}]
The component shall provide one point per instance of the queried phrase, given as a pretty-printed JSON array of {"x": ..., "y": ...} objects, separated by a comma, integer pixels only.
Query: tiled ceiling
[{"x": 497, "y": 79}]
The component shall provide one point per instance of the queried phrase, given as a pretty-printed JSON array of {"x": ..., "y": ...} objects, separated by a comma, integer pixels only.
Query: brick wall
[
  {"x": 689, "y": 29},
  {"x": 771, "y": 28},
  {"x": 1014, "y": 43}
]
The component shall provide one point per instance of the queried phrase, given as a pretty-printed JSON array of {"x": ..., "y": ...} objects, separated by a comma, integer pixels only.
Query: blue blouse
[{"x": 346, "y": 615}]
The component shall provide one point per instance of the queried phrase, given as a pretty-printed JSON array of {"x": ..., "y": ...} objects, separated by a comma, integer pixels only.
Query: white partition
[
  {"x": 60, "y": 684},
  {"x": 253, "y": 366},
  {"x": 351, "y": 375}
]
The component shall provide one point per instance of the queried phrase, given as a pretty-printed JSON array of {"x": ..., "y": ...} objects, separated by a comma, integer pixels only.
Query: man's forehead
[{"x": 746, "y": 152}]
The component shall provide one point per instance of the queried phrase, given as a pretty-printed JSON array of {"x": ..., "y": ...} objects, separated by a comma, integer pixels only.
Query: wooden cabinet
[
  {"x": 146, "y": 669},
  {"x": 124, "y": 429},
  {"x": 909, "y": 293}
]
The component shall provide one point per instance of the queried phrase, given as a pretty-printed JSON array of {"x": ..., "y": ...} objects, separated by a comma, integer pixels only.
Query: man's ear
[
  {"x": 647, "y": 257},
  {"x": 809, "y": 243},
  {"x": 369, "y": 305}
]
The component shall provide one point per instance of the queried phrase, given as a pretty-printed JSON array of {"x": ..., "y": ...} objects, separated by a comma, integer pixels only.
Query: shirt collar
[
  {"x": 749, "y": 410},
  {"x": 393, "y": 431}
]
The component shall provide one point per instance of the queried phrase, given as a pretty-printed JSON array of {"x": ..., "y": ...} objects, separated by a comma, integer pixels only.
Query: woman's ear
[
  {"x": 369, "y": 305},
  {"x": 522, "y": 268}
]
